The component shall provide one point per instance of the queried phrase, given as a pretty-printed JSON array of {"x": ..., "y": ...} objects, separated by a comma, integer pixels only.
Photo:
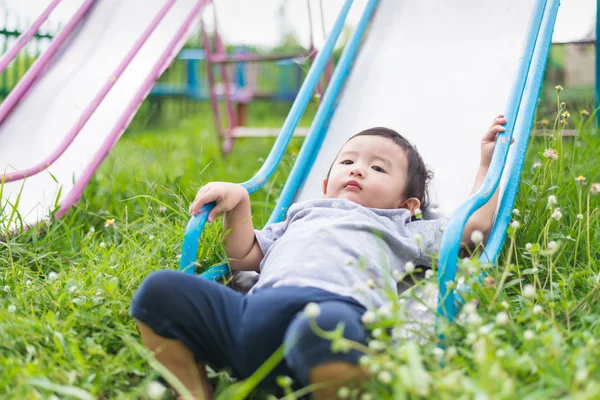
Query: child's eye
[
  {"x": 378, "y": 169},
  {"x": 347, "y": 162}
]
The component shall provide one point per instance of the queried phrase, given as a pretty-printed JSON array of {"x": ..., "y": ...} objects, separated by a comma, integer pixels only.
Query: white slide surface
[
  {"x": 437, "y": 72},
  {"x": 74, "y": 76}
]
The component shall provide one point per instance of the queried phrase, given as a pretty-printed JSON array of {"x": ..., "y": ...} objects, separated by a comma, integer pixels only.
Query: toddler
[{"x": 339, "y": 251}]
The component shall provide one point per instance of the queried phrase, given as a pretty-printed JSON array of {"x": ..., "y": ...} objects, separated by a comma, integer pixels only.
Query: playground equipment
[
  {"x": 237, "y": 98},
  {"x": 441, "y": 93},
  {"x": 75, "y": 101},
  {"x": 278, "y": 80}
]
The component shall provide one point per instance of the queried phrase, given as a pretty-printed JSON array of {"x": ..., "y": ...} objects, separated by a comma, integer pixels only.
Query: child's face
[{"x": 370, "y": 171}]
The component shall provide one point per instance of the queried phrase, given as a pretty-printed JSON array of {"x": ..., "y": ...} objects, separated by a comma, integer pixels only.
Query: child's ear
[
  {"x": 411, "y": 205},
  {"x": 325, "y": 186}
]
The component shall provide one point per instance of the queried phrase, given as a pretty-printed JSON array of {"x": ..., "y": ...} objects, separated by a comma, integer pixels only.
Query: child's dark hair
[{"x": 417, "y": 176}]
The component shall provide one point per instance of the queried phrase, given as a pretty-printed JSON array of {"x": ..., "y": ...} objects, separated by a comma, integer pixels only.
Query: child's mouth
[{"x": 352, "y": 185}]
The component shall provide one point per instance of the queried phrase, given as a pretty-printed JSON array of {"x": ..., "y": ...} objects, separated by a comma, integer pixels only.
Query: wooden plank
[
  {"x": 550, "y": 132},
  {"x": 242, "y": 131}
]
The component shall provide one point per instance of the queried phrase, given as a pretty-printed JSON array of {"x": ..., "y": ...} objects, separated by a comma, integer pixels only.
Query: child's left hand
[{"x": 489, "y": 140}]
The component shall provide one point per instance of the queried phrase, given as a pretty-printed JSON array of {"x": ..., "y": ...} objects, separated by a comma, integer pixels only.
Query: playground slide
[
  {"x": 71, "y": 108},
  {"x": 438, "y": 73}
]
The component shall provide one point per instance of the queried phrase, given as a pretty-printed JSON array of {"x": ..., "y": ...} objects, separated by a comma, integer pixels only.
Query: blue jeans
[{"x": 227, "y": 329}]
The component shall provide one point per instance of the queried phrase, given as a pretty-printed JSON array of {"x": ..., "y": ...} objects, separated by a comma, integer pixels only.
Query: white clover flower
[
  {"x": 476, "y": 237},
  {"x": 151, "y": 237},
  {"x": 374, "y": 368},
  {"x": 312, "y": 310},
  {"x": 384, "y": 377},
  {"x": 537, "y": 164},
  {"x": 162, "y": 209},
  {"x": 528, "y": 335},
  {"x": 486, "y": 329},
  {"x": 469, "y": 308},
  {"x": 103, "y": 246},
  {"x": 535, "y": 270},
  {"x": 581, "y": 374},
  {"x": 474, "y": 319},
  {"x": 398, "y": 276},
  {"x": 419, "y": 239},
  {"x": 505, "y": 305},
  {"x": 438, "y": 352},
  {"x": 471, "y": 337},
  {"x": 72, "y": 289},
  {"x": 155, "y": 390},
  {"x": 551, "y": 154},
  {"x": 552, "y": 245},
  {"x": 409, "y": 267},
  {"x": 429, "y": 274},
  {"x": 528, "y": 246},
  {"x": 579, "y": 216},
  {"x": 529, "y": 291},
  {"x": 343, "y": 392},
  {"x": 52, "y": 276},
  {"x": 557, "y": 215},
  {"x": 6, "y": 288},
  {"x": 537, "y": 309},
  {"x": 502, "y": 318},
  {"x": 368, "y": 317},
  {"x": 552, "y": 199},
  {"x": 595, "y": 188},
  {"x": 515, "y": 224},
  {"x": 377, "y": 345},
  {"x": 371, "y": 283},
  {"x": 12, "y": 308},
  {"x": 451, "y": 351},
  {"x": 28, "y": 282},
  {"x": 364, "y": 360},
  {"x": 418, "y": 213},
  {"x": 377, "y": 333},
  {"x": 516, "y": 211}
]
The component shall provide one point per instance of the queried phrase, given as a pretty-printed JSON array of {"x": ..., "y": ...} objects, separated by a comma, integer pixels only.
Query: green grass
[{"x": 65, "y": 293}]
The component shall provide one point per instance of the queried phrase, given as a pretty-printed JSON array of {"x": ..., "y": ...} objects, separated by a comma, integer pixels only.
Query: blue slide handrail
[
  {"x": 196, "y": 224},
  {"x": 453, "y": 233},
  {"x": 318, "y": 130}
]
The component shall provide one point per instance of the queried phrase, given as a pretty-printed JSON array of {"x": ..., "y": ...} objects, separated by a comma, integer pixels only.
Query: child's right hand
[{"x": 226, "y": 195}]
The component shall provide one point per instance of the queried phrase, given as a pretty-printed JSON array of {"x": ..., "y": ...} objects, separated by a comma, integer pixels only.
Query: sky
[{"x": 256, "y": 22}]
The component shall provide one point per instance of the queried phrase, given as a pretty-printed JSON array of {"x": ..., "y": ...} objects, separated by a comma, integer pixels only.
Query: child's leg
[
  {"x": 188, "y": 322},
  {"x": 179, "y": 360},
  {"x": 310, "y": 355}
]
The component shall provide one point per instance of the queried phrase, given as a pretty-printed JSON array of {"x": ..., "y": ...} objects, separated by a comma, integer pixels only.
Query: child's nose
[{"x": 356, "y": 171}]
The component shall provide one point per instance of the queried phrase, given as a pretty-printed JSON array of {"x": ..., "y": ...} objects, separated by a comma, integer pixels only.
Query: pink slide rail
[
  {"x": 163, "y": 63},
  {"x": 26, "y": 36},
  {"x": 38, "y": 66},
  {"x": 91, "y": 107}
]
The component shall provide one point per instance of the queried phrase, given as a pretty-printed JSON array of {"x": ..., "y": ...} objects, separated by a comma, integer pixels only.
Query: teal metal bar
[{"x": 453, "y": 233}]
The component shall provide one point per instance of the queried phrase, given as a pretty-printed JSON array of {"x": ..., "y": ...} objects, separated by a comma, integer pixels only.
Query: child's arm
[
  {"x": 241, "y": 246},
  {"x": 481, "y": 220}
]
